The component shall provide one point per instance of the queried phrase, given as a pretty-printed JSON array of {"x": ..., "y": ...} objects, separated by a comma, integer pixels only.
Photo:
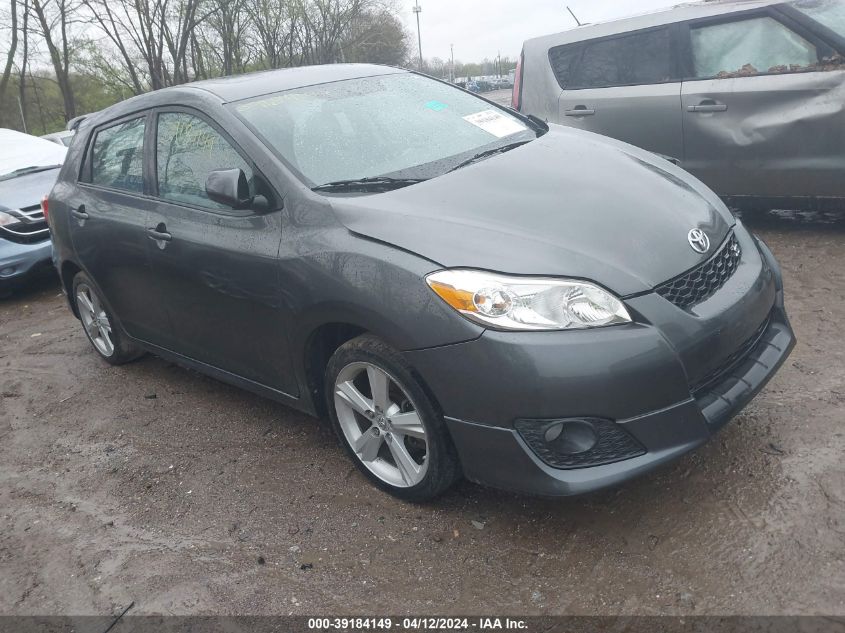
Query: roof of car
[
  {"x": 678, "y": 13},
  {"x": 228, "y": 89},
  {"x": 269, "y": 81}
]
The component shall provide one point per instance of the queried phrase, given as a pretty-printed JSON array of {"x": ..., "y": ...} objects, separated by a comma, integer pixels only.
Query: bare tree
[
  {"x": 55, "y": 19},
  {"x": 230, "y": 22},
  {"x": 324, "y": 23},
  {"x": 378, "y": 37},
  {"x": 23, "y": 65},
  {"x": 273, "y": 23},
  {"x": 10, "y": 56},
  {"x": 112, "y": 25},
  {"x": 156, "y": 33}
]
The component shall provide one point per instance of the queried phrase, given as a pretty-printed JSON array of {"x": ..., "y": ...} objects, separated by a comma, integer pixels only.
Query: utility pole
[
  {"x": 453, "y": 62},
  {"x": 23, "y": 118},
  {"x": 418, "y": 10}
]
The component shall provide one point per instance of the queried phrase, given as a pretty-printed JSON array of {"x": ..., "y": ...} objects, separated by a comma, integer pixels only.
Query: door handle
[
  {"x": 79, "y": 213},
  {"x": 159, "y": 234},
  {"x": 580, "y": 111},
  {"x": 708, "y": 105}
]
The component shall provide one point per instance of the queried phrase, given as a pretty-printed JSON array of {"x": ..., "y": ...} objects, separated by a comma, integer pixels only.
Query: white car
[
  {"x": 61, "y": 138},
  {"x": 29, "y": 167}
]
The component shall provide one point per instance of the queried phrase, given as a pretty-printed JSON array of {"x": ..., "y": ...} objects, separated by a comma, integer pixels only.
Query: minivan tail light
[
  {"x": 516, "y": 97},
  {"x": 45, "y": 204}
]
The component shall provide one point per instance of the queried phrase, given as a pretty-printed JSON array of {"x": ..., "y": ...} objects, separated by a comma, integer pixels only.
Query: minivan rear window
[{"x": 644, "y": 57}]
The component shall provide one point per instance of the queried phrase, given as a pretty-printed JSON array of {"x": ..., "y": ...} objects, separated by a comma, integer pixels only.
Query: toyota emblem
[{"x": 699, "y": 241}]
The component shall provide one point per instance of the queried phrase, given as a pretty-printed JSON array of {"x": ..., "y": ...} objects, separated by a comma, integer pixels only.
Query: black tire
[
  {"x": 124, "y": 351},
  {"x": 443, "y": 467}
]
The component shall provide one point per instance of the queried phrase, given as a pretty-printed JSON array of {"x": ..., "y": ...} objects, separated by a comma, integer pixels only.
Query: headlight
[
  {"x": 7, "y": 218},
  {"x": 520, "y": 303}
]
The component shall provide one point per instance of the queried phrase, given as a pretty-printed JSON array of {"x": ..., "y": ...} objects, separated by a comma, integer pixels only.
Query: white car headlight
[
  {"x": 7, "y": 218},
  {"x": 527, "y": 303}
]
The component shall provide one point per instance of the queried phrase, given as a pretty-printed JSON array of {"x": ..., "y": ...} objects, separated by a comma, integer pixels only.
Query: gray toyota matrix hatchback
[{"x": 461, "y": 289}]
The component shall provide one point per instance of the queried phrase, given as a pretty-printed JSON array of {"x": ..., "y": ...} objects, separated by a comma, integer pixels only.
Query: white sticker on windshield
[{"x": 496, "y": 124}]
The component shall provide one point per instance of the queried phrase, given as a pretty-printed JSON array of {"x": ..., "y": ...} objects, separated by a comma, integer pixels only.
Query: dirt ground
[{"x": 153, "y": 484}]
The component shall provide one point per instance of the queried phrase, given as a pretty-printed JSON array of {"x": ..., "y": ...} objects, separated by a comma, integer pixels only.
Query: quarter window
[
  {"x": 640, "y": 58},
  {"x": 563, "y": 60},
  {"x": 187, "y": 150},
  {"x": 749, "y": 47},
  {"x": 117, "y": 158}
]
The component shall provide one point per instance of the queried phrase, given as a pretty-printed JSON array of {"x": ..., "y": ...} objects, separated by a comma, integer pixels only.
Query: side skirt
[{"x": 227, "y": 377}]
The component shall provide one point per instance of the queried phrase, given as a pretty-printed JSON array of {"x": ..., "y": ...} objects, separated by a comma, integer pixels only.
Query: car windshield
[
  {"x": 399, "y": 126},
  {"x": 830, "y": 13}
]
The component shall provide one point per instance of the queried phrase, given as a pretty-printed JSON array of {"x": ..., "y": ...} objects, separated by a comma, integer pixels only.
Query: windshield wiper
[
  {"x": 23, "y": 171},
  {"x": 384, "y": 183},
  {"x": 487, "y": 153}
]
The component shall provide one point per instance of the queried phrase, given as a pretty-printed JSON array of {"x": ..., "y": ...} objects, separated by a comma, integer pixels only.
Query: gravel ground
[
  {"x": 153, "y": 484},
  {"x": 502, "y": 97}
]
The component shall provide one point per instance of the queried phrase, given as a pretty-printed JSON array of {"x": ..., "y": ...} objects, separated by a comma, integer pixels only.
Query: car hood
[
  {"x": 22, "y": 150},
  {"x": 27, "y": 190},
  {"x": 570, "y": 204}
]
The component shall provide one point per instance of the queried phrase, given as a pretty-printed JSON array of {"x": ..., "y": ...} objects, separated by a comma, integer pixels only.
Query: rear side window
[
  {"x": 749, "y": 47},
  {"x": 117, "y": 157},
  {"x": 639, "y": 58},
  {"x": 563, "y": 60},
  {"x": 187, "y": 150}
]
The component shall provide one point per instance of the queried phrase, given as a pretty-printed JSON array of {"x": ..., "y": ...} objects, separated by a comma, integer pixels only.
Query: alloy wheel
[
  {"x": 94, "y": 319},
  {"x": 381, "y": 424}
]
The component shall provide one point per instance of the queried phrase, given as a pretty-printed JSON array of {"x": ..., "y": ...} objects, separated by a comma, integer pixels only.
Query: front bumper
[
  {"x": 19, "y": 261},
  {"x": 671, "y": 383}
]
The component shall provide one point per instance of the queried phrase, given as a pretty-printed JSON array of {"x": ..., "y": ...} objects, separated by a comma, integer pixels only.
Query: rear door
[
  {"x": 625, "y": 86},
  {"x": 217, "y": 267},
  {"x": 760, "y": 118},
  {"x": 108, "y": 227}
]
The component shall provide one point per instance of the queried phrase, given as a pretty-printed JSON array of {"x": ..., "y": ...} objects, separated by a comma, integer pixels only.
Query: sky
[{"x": 482, "y": 28}]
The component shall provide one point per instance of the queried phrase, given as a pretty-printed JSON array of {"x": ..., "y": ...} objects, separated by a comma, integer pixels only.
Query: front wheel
[{"x": 387, "y": 423}]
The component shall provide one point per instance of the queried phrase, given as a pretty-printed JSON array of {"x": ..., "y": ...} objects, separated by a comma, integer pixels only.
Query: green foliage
[{"x": 43, "y": 105}]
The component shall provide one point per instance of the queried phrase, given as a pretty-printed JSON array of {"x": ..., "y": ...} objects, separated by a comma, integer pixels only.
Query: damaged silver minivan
[{"x": 747, "y": 95}]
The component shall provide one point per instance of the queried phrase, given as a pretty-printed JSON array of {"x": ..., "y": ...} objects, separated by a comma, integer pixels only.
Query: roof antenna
[{"x": 577, "y": 21}]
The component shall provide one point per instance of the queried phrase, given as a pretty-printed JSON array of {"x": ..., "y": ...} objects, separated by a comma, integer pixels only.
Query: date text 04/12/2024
[{"x": 417, "y": 624}]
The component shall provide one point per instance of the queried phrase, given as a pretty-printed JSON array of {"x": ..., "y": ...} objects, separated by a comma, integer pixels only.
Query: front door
[
  {"x": 108, "y": 222},
  {"x": 626, "y": 87},
  {"x": 217, "y": 267},
  {"x": 757, "y": 119}
]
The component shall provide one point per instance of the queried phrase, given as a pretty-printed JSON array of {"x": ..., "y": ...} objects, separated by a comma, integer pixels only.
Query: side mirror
[{"x": 230, "y": 187}]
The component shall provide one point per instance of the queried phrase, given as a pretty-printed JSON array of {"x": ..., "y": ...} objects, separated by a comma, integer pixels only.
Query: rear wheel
[
  {"x": 387, "y": 423},
  {"x": 99, "y": 325}
]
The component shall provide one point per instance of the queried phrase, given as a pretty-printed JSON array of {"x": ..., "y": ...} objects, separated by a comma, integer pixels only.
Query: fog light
[
  {"x": 7, "y": 272},
  {"x": 579, "y": 442},
  {"x": 571, "y": 437}
]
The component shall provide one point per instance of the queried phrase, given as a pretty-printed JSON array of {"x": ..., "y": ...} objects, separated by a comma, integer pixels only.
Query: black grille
[
  {"x": 30, "y": 226},
  {"x": 703, "y": 281},
  {"x": 614, "y": 444},
  {"x": 731, "y": 362}
]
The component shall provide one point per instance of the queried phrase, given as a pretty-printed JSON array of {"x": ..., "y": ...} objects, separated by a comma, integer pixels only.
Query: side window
[
  {"x": 749, "y": 47},
  {"x": 636, "y": 59},
  {"x": 563, "y": 60},
  {"x": 117, "y": 157},
  {"x": 187, "y": 150}
]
